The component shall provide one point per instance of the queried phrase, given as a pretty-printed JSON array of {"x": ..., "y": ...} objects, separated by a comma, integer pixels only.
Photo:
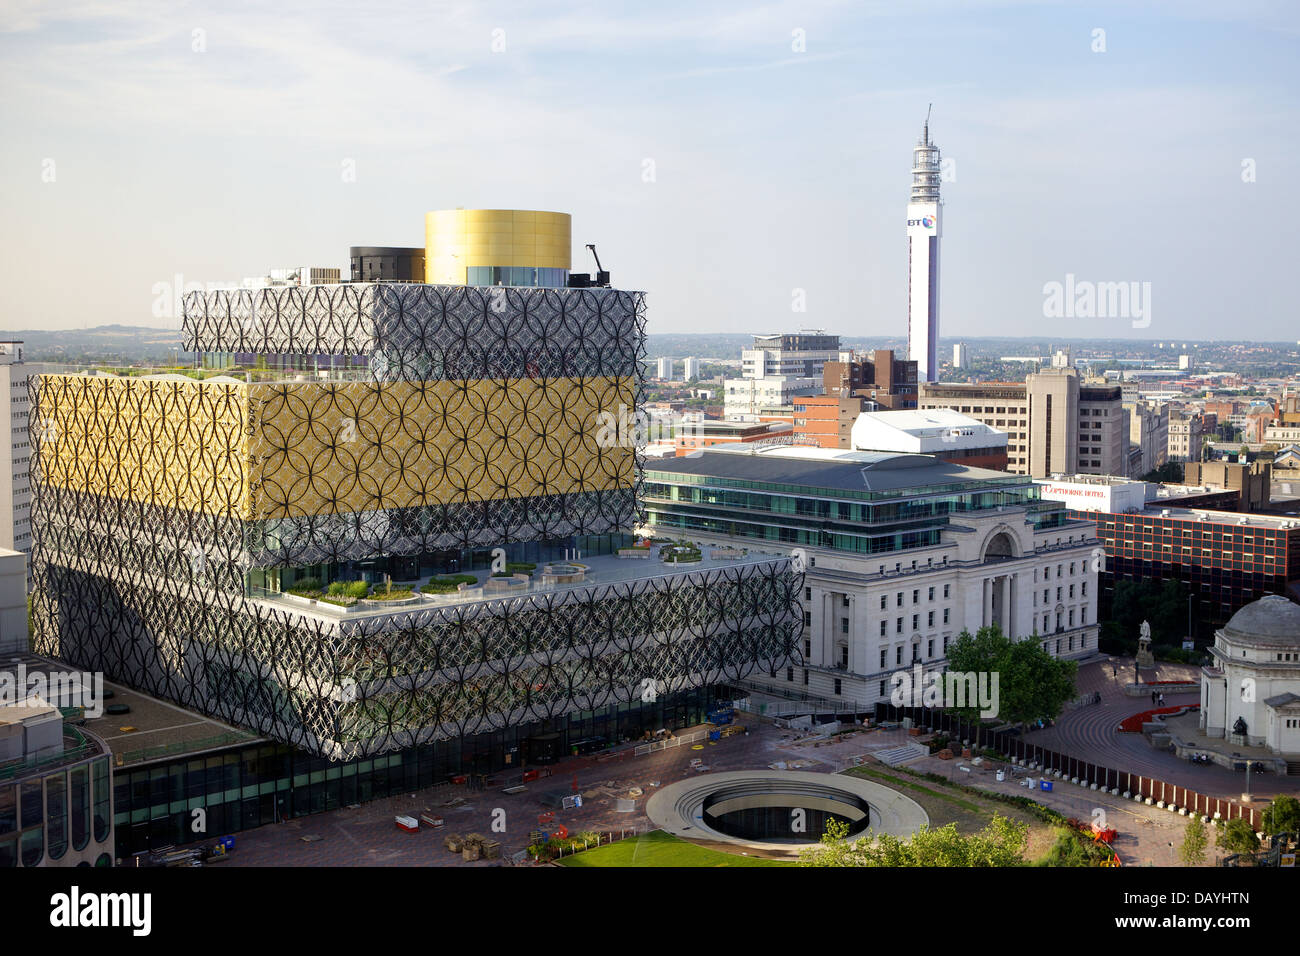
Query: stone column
[
  {"x": 986, "y": 616},
  {"x": 1006, "y": 605}
]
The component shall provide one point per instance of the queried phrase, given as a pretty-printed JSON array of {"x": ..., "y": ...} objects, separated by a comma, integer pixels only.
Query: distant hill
[{"x": 104, "y": 343}]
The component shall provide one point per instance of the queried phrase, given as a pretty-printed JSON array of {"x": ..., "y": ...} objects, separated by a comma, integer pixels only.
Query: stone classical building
[
  {"x": 902, "y": 553},
  {"x": 1255, "y": 677}
]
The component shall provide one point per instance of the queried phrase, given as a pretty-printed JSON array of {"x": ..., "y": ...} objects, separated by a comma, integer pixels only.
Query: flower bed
[
  {"x": 448, "y": 585},
  {"x": 1133, "y": 724},
  {"x": 397, "y": 594}
]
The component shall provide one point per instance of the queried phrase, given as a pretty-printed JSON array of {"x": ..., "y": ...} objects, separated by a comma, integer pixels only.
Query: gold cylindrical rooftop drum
[{"x": 458, "y": 240}]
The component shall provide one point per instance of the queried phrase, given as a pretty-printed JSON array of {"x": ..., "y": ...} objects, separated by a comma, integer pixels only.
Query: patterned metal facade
[{"x": 155, "y": 499}]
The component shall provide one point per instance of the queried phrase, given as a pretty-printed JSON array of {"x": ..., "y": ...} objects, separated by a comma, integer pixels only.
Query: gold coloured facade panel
[
  {"x": 458, "y": 239},
  {"x": 333, "y": 448},
  {"x": 172, "y": 443}
]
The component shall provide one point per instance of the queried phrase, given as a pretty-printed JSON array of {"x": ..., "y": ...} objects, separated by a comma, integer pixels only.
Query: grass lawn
[{"x": 658, "y": 848}]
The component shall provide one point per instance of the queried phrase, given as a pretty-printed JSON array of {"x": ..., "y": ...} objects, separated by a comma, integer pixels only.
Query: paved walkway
[
  {"x": 1091, "y": 733},
  {"x": 1146, "y": 836}
]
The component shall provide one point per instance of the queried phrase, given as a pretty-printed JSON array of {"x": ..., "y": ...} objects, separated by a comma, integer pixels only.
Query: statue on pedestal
[
  {"x": 1144, "y": 656},
  {"x": 1239, "y": 728}
]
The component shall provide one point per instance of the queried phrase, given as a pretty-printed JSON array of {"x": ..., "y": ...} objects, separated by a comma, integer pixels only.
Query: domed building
[{"x": 1255, "y": 678}]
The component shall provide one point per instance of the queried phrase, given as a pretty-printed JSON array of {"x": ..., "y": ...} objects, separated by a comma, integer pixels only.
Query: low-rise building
[{"x": 941, "y": 432}]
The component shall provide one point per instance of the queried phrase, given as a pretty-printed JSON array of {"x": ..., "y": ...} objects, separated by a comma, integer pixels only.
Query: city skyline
[{"x": 165, "y": 141}]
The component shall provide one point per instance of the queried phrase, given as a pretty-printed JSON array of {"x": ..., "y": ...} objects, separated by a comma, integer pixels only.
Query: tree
[
  {"x": 1162, "y": 603},
  {"x": 1192, "y": 852},
  {"x": 1282, "y": 815},
  {"x": 1238, "y": 836},
  {"x": 1032, "y": 685},
  {"x": 1001, "y": 843},
  {"x": 1171, "y": 472}
]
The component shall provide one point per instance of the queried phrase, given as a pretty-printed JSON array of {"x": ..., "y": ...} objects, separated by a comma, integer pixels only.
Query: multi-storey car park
[
  {"x": 392, "y": 433},
  {"x": 903, "y": 552}
]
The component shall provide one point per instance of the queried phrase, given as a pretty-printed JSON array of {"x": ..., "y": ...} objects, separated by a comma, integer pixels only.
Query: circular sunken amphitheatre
[{"x": 755, "y": 808}]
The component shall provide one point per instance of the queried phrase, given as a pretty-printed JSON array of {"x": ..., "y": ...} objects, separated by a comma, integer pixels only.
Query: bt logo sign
[{"x": 927, "y": 221}]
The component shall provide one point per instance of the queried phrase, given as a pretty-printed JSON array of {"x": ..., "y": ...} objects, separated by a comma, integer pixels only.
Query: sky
[{"x": 733, "y": 160}]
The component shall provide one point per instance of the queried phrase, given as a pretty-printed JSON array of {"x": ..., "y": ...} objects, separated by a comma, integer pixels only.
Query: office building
[
  {"x": 1251, "y": 481},
  {"x": 977, "y": 547},
  {"x": 924, "y": 230},
  {"x": 1148, "y": 437},
  {"x": 268, "y": 548},
  {"x": 960, "y": 356},
  {"x": 940, "y": 432},
  {"x": 15, "y": 461},
  {"x": 1225, "y": 559},
  {"x": 886, "y": 382},
  {"x": 770, "y": 398},
  {"x": 790, "y": 355},
  {"x": 1054, "y": 424},
  {"x": 826, "y": 421},
  {"x": 1185, "y": 437}
]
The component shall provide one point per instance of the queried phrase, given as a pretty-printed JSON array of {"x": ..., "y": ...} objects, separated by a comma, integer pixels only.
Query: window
[
  {"x": 807, "y": 649},
  {"x": 930, "y": 596},
  {"x": 884, "y": 602},
  {"x": 837, "y": 687},
  {"x": 898, "y": 654},
  {"x": 844, "y": 625},
  {"x": 807, "y": 594},
  {"x": 916, "y": 621},
  {"x": 805, "y": 677},
  {"x": 846, "y": 600},
  {"x": 900, "y": 598},
  {"x": 945, "y": 591},
  {"x": 884, "y": 657},
  {"x": 945, "y": 615},
  {"x": 898, "y": 629},
  {"x": 929, "y": 648},
  {"x": 884, "y": 628},
  {"x": 929, "y": 619},
  {"x": 807, "y": 618},
  {"x": 789, "y": 674},
  {"x": 882, "y": 688},
  {"x": 916, "y": 595}
]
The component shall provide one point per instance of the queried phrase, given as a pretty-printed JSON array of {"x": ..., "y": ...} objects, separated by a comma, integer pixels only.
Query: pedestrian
[
  {"x": 1153, "y": 697},
  {"x": 1114, "y": 672},
  {"x": 1162, "y": 700}
]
